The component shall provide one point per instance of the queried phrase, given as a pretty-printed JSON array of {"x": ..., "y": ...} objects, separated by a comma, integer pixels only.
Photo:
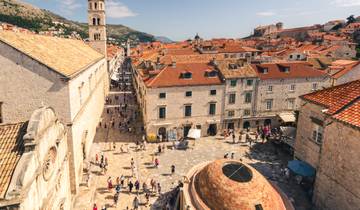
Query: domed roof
[{"x": 233, "y": 185}]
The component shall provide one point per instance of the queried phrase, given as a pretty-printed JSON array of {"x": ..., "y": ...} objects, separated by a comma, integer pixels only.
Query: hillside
[{"x": 40, "y": 20}]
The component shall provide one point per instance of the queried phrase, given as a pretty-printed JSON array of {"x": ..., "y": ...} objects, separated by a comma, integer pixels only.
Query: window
[
  {"x": 187, "y": 110},
  {"x": 1, "y": 115},
  {"x": 94, "y": 21},
  {"x": 162, "y": 95},
  {"x": 249, "y": 82},
  {"x": 270, "y": 88},
  {"x": 212, "y": 110},
  {"x": 246, "y": 112},
  {"x": 233, "y": 83},
  {"x": 95, "y": 5},
  {"x": 291, "y": 103},
  {"x": 80, "y": 95},
  {"x": 269, "y": 104},
  {"x": 248, "y": 97},
  {"x": 90, "y": 6},
  {"x": 213, "y": 92},
  {"x": 265, "y": 70},
  {"x": 317, "y": 134},
  {"x": 98, "y": 21},
  {"x": 97, "y": 36},
  {"x": 291, "y": 56},
  {"x": 314, "y": 86},
  {"x": 298, "y": 56},
  {"x": 292, "y": 88},
  {"x": 231, "y": 113},
  {"x": 188, "y": 93},
  {"x": 162, "y": 112},
  {"x": 286, "y": 69},
  {"x": 187, "y": 75},
  {"x": 232, "y": 97}
]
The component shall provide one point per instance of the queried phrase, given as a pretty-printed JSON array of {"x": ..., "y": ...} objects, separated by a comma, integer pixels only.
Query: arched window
[
  {"x": 98, "y": 21},
  {"x": 94, "y": 21},
  {"x": 90, "y": 6},
  {"x": 97, "y": 36},
  {"x": 95, "y": 5}
]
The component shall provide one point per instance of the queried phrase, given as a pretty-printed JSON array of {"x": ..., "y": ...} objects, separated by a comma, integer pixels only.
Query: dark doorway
[
  {"x": 231, "y": 126},
  {"x": 246, "y": 125},
  {"x": 267, "y": 122},
  {"x": 162, "y": 132},
  {"x": 186, "y": 130},
  {"x": 212, "y": 130}
]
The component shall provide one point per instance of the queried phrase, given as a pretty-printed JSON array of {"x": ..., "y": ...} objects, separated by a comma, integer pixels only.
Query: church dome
[{"x": 233, "y": 185}]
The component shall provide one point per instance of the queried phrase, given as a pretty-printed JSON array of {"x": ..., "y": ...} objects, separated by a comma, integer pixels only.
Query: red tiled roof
[
  {"x": 112, "y": 50},
  {"x": 342, "y": 102},
  {"x": 170, "y": 76},
  {"x": 296, "y": 70},
  {"x": 11, "y": 149},
  {"x": 344, "y": 68}
]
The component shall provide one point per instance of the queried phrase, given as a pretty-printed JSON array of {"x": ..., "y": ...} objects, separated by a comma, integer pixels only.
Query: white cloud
[
  {"x": 116, "y": 9},
  {"x": 266, "y": 14},
  {"x": 70, "y": 4},
  {"x": 346, "y": 3}
]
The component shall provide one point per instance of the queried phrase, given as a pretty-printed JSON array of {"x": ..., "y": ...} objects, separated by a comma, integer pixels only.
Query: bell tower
[{"x": 97, "y": 25}]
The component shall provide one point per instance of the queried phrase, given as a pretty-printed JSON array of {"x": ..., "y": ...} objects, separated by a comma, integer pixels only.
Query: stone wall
[
  {"x": 85, "y": 114},
  {"x": 26, "y": 85},
  {"x": 175, "y": 101},
  {"x": 337, "y": 183},
  {"x": 306, "y": 149},
  {"x": 281, "y": 93},
  {"x": 41, "y": 179}
]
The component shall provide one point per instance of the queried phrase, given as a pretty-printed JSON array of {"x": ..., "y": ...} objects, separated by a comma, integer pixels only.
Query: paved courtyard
[
  {"x": 265, "y": 157},
  {"x": 116, "y": 121}
]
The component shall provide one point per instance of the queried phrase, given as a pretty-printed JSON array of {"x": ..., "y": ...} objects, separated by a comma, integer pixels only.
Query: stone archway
[{"x": 246, "y": 125}]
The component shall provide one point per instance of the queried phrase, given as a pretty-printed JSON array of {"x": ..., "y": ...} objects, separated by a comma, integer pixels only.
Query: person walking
[
  {"x": 110, "y": 185},
  {"x": 159, "y": 188},
  {"x": 153, "y": 185},
  {"x": 233, "y": 137},
  {"x": 116, "y": 198},
  {"x": 145, "y": 187},
  {"x": 172, "y": 169},
  {"x": 95, "y": 207},
  {"x": 136, "y": 203},
  {"x": 157, "y": 162},
  {"x": 122, "y": 179},
  {"x": 96, "y": 159},
  {"x": 159, "y": 149},
  {"x": 131, "y": 185},
  {"x": 137, "y": 186}
]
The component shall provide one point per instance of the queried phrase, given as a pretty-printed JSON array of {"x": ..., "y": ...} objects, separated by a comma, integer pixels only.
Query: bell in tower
[{"x": 97, "y": 25}]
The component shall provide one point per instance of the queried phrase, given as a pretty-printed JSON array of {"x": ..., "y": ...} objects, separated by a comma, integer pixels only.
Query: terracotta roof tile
[
  {"x": 11, "y": 149},
  {"x": 170, "y": 76},
  {"x": 342, "y": 102},
  {"x": 57, "y": 53},
  {"x": 296, "y": 70}
]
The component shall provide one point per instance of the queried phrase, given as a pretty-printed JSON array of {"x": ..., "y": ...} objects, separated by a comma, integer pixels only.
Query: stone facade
[
  {"x": 27, "y": 85},
  {"x": 283, "y": 94},
  {"x": 241, "y": 108},
  {"x": 306, "y": 148},
  {"x": 337, "y": 184},
  {"x": 175, "y": 102},
  {"x": 41, "y": 178}
]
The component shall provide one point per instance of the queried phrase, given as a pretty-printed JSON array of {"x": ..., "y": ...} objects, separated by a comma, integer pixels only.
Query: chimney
[{"x": 173, "y": 64}]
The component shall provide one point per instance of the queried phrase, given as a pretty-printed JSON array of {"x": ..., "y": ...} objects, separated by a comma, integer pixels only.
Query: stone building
[
  {"x": 72, "y": 79},
  {"x": 35, "y": 163},
  {"x": 278, "y": 88},
  {"x": 97, "y": 25},
  {"x": 230, "y": 185},
  {"x": 328, "y": 139},
  {"x": 240, "y": 88},
  {"x": 177, "y": 97}
]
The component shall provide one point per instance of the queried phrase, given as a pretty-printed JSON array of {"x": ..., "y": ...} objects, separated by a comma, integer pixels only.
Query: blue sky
[{"x": 182, "y": 19}]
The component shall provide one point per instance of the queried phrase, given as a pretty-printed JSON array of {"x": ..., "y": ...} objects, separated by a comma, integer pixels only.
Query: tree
[{"x": 350, "y": 19}]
